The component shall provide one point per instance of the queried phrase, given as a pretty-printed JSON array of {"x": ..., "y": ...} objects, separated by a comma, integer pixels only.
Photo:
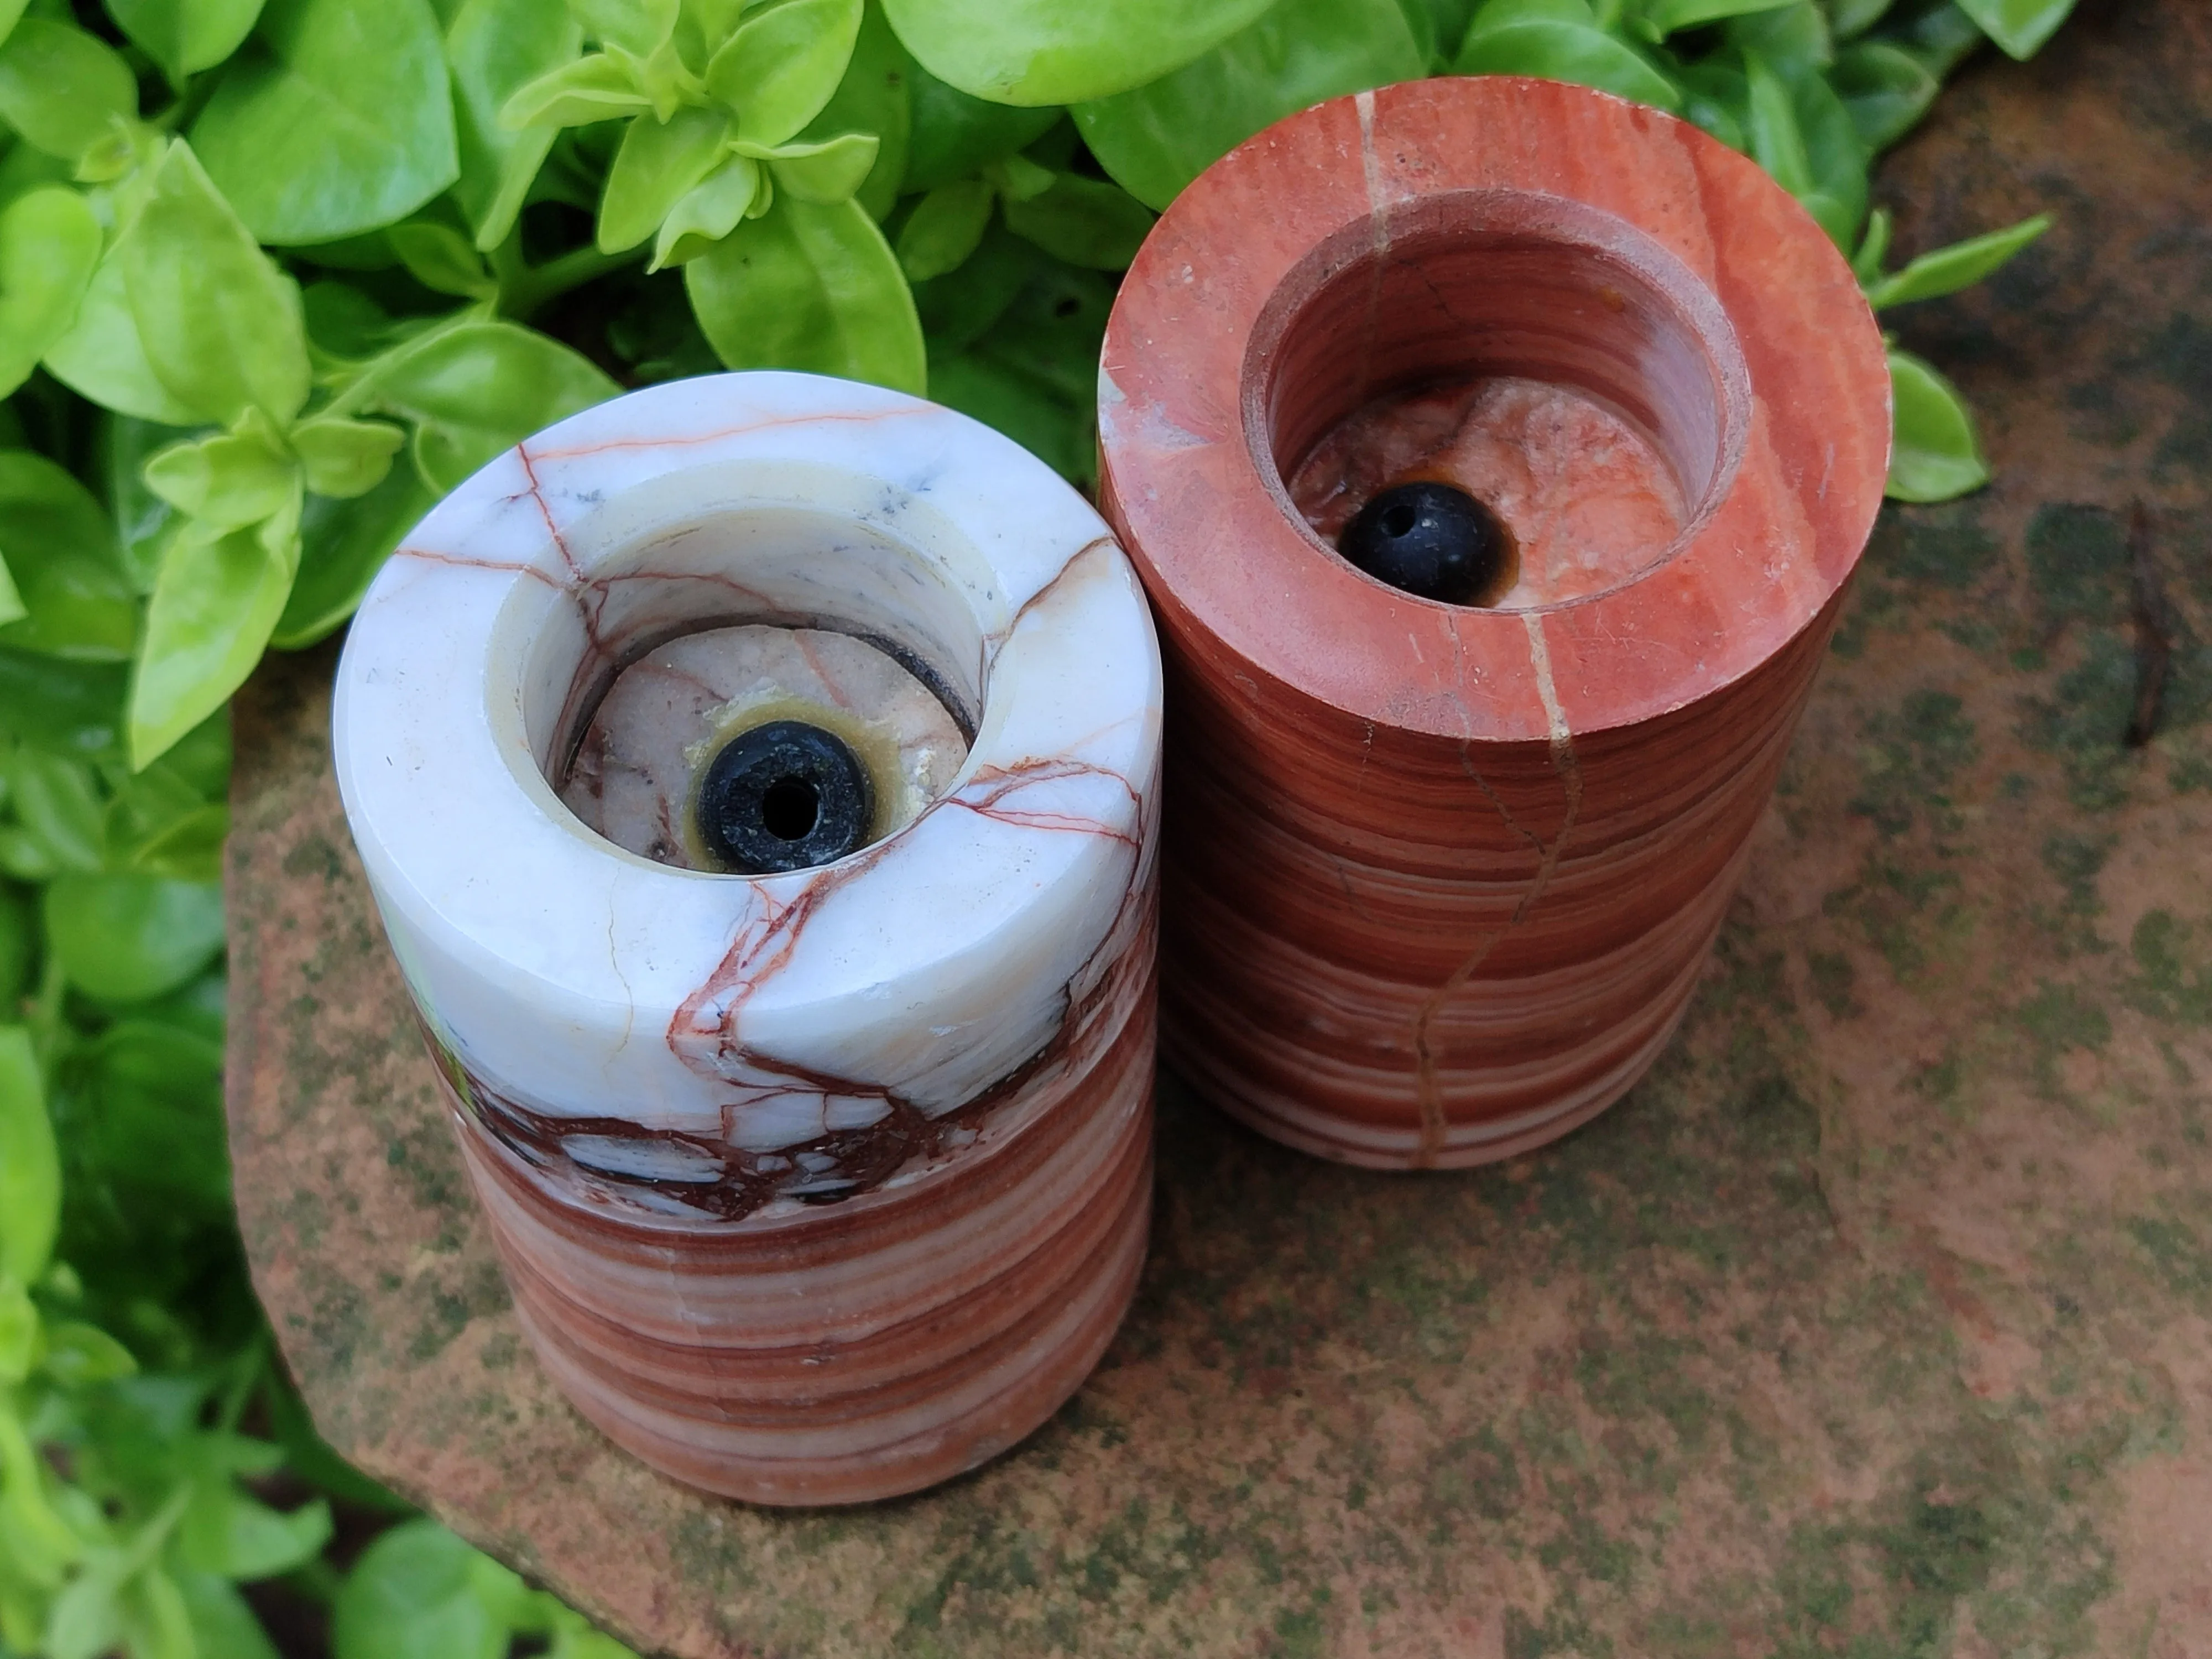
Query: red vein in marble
[
  {"x": 994, "y": 784},
  {"x": 463, "y": 561},
  {"x": 685, "y": 441}
]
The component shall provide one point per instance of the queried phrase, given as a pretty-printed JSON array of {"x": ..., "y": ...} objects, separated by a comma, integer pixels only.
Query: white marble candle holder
[{"x": 813, "y": 1187}]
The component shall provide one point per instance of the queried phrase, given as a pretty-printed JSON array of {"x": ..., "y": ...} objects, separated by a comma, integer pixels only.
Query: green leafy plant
[{"x": 275, "y": 275}]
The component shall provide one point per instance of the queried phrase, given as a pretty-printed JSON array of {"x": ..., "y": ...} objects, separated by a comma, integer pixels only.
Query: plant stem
[{"x": 523, "y": 289}]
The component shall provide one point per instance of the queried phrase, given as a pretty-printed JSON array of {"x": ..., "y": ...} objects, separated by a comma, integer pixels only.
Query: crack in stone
[{"x": 1567, "y": 767}]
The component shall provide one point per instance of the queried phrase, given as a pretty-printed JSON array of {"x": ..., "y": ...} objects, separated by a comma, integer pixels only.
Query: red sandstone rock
[{"x": 1438, "y": 880}]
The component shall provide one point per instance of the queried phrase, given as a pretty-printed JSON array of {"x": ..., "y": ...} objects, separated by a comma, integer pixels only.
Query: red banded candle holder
[{"x": 1439, "y": 879}]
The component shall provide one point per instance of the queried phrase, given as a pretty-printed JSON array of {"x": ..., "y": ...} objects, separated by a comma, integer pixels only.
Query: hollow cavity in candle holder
[
  {"x": 1590, "y": 499},
  {"x": 653, "y": 741}
]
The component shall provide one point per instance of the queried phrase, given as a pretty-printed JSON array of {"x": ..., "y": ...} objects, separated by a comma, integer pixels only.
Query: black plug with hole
[{"x": 784, "y": 796}]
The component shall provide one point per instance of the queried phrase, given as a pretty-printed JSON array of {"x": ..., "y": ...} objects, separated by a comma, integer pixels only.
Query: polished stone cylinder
[
  {"x": 1439, "y": 879},
  {"x": 818, "y": 1185}
]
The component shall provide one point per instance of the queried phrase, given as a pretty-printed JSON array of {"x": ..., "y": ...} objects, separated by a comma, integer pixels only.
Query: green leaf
[
  {"x": 158, "y": 1135},
  {"x": 158, "y": 820},
  {"x": 1715, "y": 98},
  {"x": 1802, "y": 134},
  {"x": 1771, "y": 127},
  {"x": 185, "y": 36},
  {"x": 127, "y": 938},
  {"x": 420, "y": 1593},
  {"x": 101, "y": 357},
  {"x": 24, "y": 167},
  {"x": 41, "y": 1543},
  {"x": 640, "y": 27},
  {"x": 1660, "y": 18},
  {"x": 68, "y": 568},
  {"x": 955, "y": 310},
  {"x": 1048, "y": 51},
  {"x": 214, "y": 606},
  {"x": 473, "y": 391},
  {"x": 1887, "y": 90},
  {"x": 1057, "y": 432},
  {"x": 1054, "y": 328},
  {"x": 220, "y": 323},
  {"x": 1498, "y": 14},
  {"x": 156, "y": 1624},
  {"x": 1947, "y": 269},
  {"x": 826, "y": 171},
  {"x": 1837, "y": 157},
  {"x": 1085, "y": 222},
  {"x": 1438, "y": 26},
  {"x": 344, "y": 458},
  {"x": 16, "y": 946},
  {"x": 1017, "y": 177},
  {"x": 82, "y": 1356},
  {"x": 441, "y": 259},
  {"x": 1873, "y": 247},
  {"x": 1792, "y": 38},
  {"x": 2019, "y": 27},
  {"x": 872, "y": 97},
  {"x": 944, "y": 228},
  {"x": 710, "y": 211},
  {"x": 336, "y": 118},
  {"x": 598, "y": 87},
  {"x": 811, "y": 287},
  {"x": 1939, "y": 39},
  {"x": 61, "y": 708},
  {"x": 1034, "y": 373},
  {"x": 30, "y": 1166},
  {"x": 141, "y": 517},
  {"x": 782, "y": 64},
  {"x": 1156, "y": 138},
  {"x": 223, "y": 1625},
  {"x": 658, "y": 164},
  {"x": 64, "y": 90},
  {"x": 58, "y": 804},
  {"x": 229, "y": 481},
  {"x": 955, "y": 135},
  {"x": 345, "y": 327},
  {"x": 1849, "y": 19},
  {"x": 574, "y": 1639},
  {"x": 1933, "y": 454},
  {"x": 224, "y": 1531},
  {"x": 188, "y": 847},
  {"x": 493, "y": 49},
  {"x": 50, "y": 246},
  {"x": 1560, "y": 48},
  {"x": 87, "y": 1619},
  {"x": 20, "y": 1332}
]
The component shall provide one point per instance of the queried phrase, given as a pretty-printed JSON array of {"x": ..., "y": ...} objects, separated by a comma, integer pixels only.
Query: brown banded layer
[{"x": 837, "y": 1353}]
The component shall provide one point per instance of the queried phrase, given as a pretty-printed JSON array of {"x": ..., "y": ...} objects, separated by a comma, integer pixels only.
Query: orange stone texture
[{"x": 1438, "y": 880}]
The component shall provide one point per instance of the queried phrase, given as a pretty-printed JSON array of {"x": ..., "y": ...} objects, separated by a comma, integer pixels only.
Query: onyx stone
[{"x": 1430, "y": 539}]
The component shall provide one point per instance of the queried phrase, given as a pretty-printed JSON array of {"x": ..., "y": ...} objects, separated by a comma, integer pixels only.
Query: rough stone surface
[{"x": 1878, "y": 1319}]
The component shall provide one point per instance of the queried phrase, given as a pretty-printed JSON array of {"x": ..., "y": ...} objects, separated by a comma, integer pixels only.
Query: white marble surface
[{"x": 690, "y": 1016}]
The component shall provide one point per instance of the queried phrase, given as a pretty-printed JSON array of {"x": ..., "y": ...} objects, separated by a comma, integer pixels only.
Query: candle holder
[
  {"x": 1439, "y": 877},
  {"x": 805, "y": 1080}
]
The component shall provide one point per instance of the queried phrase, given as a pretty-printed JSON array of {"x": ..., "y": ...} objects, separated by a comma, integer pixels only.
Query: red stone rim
[
  {"x": 1203, "y": 519},
  {"x": 1616, "y": 241}
]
